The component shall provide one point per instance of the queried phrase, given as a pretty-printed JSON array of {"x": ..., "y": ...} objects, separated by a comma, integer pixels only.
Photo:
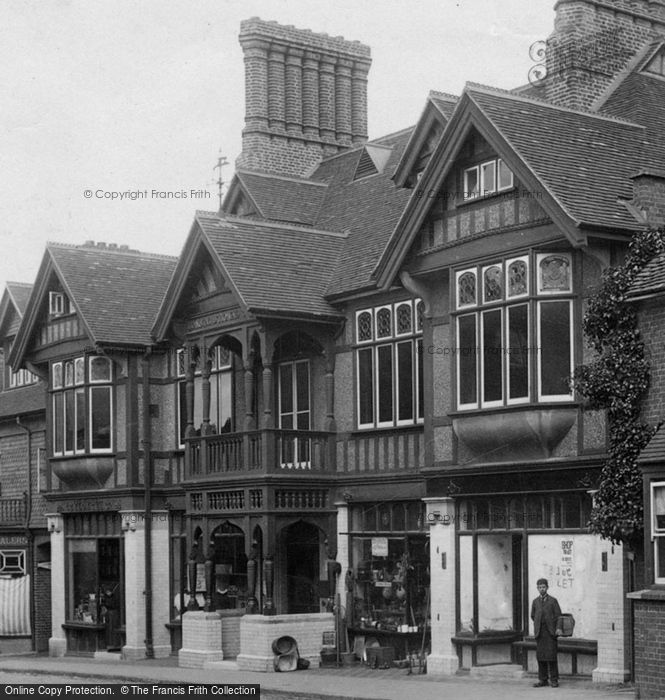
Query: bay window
[
  {"x": 514, "y": 331},
  {"x": 389, "y": 365},
  {"x": 82, "y": 405}
]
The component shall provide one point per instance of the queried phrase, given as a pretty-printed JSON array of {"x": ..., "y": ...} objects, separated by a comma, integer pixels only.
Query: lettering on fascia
[{"x": 218, "y": 318}]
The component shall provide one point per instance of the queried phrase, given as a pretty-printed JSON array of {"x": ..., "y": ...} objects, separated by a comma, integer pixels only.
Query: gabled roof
[
  {"x": 115, "y": 291},
  {"x": 367, "y": 209},
  {"x": 12, "y": 306},
  {"x": 651, "y": 280},
  {"x": 272, "y": 269},
  {"x": 426, "y": 134},
  {"x": 583, "y": 160},
  {"x": 655, "y": 450},
  {"x": 20, "y": 293},
  {"x": 287, "y": 199},
  {"x": 579, "y": 162},
  {"x": 275, "y": 269}
]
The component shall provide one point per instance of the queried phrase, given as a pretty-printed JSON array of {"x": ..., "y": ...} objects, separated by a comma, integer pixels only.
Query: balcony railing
[
  {"x": 259, "y": 451},
  {"x": 12, "y": 511}
]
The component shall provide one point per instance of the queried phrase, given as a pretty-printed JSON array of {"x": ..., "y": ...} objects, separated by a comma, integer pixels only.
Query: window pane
[
  {"x": 489, "y": 177},
  {"x": 505, "y": 176},
  {"x": 493, "y": 283},
  {"x": 385, "y": 379},
  {"x": 658, "y": 507},
  {"x": 80, "y": 420},
  {"x": 659, "y": 545},
  {"x": 518, "y": 279},
  {"x": 492, "y": 357},
  {"x": 365, "y": 326},
  {"x": 383, "y": 323},
  {"x": 471, "y": 185},
  {"x": 182, "y": 412},
  {"x": 285, "y": 389},
  {"x": 58, "y": 422},
  {"x": 302, "y": 386},
  {"x": 467, "y": 359},
  {"x": 225, "y": 402},
  {"x": 518, "y": 351},
  {"x": 555, "y": 347},
  {"x": 79, "y": 370},
  {"x": 100, "y": 417},
  {"x": 70, "y": 421},
  {"x": 57, "y": 375},
  {"x": 69, "y": 373},
  {"x": 466, "y": 289},
  {"x": 365, "y": 386},
  {"x": 554, "y": 273},
  {"x": 405, "y": 380},
  {"x": 419, "y": 363},
  {"x": 404, "y": 321},
  {"x": 100, "y": 369}
]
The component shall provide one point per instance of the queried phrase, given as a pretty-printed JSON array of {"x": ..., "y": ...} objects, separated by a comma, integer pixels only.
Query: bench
[{"x": 567, "y": 645}]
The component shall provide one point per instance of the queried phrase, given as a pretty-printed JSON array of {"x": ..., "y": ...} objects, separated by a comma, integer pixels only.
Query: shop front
[{"x": 388, "y": 598}]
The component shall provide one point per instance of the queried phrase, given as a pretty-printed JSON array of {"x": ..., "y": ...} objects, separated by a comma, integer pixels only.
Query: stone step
[{"x": 498, "y": 672}]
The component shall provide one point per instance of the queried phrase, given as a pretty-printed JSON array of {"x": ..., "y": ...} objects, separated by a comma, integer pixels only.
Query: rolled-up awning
[{"x": 15, "y": 607}]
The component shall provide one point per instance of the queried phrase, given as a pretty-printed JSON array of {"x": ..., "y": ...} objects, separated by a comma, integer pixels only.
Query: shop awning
[{"x": 15, "y": 607}]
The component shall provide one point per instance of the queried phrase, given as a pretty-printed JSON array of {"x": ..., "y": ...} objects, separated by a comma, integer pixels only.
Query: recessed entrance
[{"x": 302, "y": 567}]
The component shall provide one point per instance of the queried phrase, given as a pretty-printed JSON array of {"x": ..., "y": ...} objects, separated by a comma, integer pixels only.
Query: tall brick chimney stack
[
  {"x": 593, "y": 40},
  {"x": 305, "y": 94}
]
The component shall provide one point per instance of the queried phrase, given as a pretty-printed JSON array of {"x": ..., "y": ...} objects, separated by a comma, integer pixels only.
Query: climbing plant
[{"x": 617, "y": 380}]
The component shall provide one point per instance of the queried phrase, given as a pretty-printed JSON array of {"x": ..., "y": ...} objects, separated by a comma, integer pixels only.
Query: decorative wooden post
[
  {"x": 189, "y": 391},
  {"x": 268, "y": 577},
  {"x": 191, "y": 572},
  {"x": 205, "y": 392},
  {"x": 209, "y": 566},
  {"x": 252, "y": 603}
]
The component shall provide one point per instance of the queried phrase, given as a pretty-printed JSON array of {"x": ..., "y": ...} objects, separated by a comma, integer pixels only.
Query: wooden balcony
[
  {"x": 259, "y": 452},
  {"x": 12, "y": 511}
]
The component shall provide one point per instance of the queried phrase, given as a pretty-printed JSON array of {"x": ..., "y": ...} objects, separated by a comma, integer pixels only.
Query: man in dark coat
[{"x": 545, "y": 613}]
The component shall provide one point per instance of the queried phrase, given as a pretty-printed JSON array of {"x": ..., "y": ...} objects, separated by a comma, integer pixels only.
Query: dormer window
[
  {"x": 58, "y": 304},
  {"x": 486, "y": 179}
]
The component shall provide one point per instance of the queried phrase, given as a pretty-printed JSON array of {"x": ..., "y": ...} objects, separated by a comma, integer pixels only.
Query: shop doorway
[{"x": 302, "y": 567}]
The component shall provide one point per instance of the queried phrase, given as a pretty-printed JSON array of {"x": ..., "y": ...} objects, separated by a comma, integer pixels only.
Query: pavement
[{"x": 346, "y": 683}]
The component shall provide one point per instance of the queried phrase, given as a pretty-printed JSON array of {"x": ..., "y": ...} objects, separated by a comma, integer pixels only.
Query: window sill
[
  {"x": 365, "y": 432},
  {"x": 527, "y": 405},
  {"x": 513, "y": 191}
]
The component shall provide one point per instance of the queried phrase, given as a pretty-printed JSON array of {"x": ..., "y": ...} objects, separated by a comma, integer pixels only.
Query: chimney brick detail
[
  {"x": 649, "y": 196},
  {"x": 306, "y": 96},
  {"x": 593, "y": 41}
]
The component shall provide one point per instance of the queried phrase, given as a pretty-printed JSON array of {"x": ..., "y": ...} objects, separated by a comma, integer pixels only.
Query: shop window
[
  {"x": 95, "y": 585},
  {"x": 389, "y": 365},
  {"x": 230, "y": 568},
  {"x": 390, "y": 567},
  {"x": 502, "y": 334},
  {"x": 658, "y": 529},
  {"x": 82, "y": 397}
]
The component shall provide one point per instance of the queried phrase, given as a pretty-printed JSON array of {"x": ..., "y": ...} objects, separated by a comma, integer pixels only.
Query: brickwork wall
[
  {"x": 42, "y": 605},
  {"x": 649, "y": 648},
  {"x": 592, "y": 42},
  {"x": 306, "y": 96},
  {"x": 649, "y": 196},
  {"x": 652, "y": 327}
]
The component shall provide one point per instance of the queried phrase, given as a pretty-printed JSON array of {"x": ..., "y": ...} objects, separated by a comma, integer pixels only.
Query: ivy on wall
[{"x": 617, "y": 380}]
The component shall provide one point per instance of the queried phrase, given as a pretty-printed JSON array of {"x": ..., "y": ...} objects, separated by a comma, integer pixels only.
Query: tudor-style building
[
  {"x": 24, "y": 543},
  {"x": 365, "y": 353}
]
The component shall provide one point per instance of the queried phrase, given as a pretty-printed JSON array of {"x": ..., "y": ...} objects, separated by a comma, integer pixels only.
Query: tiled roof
[
  {"x": 651, "y": 279},
  {"x": 285, "y": 199},
  {"x": 583, "y": 160},
  {"x": 641, "y": 99},
  {"x": 22, "y": 400},
  {"x": 117, "y": 292},
  {"x": 20, "y": 293},
  {"x": 275, "y": 268},
  {"x": 368, "y": 209},
  {"x": 444, "y": 102},
  {"x": 655, "y": 450}
]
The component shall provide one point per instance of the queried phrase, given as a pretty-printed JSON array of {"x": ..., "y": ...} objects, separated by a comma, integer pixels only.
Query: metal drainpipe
[
  {"x": 28, "y": 533},
  {"x": 147, "y": 522}
]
